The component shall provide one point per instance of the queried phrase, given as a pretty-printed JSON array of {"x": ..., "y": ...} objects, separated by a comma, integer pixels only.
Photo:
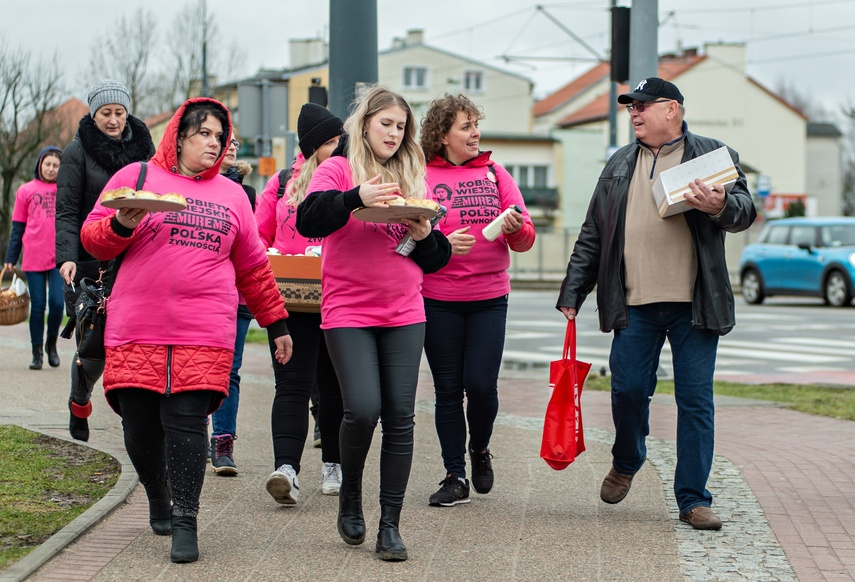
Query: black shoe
[
  {"x": 36, "y": 364},
  {"x": 482, "y": 470},
  {"x": 390, "y": 546},
  {"x": 50, "y": 348},
  {"x": 185, "y": 546},
  {"x": 451, "y": 492},
  {"x": 222, "y": 459},
  {"x": 78, "y": 425},
  {"x": 351, "y": 523},
  {"x": 160, "y": 513}
]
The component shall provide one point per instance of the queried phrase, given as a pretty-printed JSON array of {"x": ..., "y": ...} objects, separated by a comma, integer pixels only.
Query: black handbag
[{"x": 90, "y": 315}]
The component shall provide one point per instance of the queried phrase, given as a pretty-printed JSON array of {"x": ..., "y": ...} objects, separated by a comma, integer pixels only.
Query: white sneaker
[
  {"x": 331, "y": 479},
  {"x": 283, "y": 485}
]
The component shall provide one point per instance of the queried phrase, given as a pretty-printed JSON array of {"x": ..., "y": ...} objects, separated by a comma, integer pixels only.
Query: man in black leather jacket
[{"x": 659, "y": 278}]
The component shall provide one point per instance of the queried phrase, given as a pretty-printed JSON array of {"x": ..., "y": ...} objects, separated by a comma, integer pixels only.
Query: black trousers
[
  {"x": 309, "y": 367},
  {"x": 167, "y": 441},
  {"x": 378, "y": 371}
]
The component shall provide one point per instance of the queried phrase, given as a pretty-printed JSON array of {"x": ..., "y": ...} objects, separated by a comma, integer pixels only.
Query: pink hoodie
[
  {"x": 277, "y": 220},
  {"x": 176, "y": 284},
  {"x": 475, "y": 193}
]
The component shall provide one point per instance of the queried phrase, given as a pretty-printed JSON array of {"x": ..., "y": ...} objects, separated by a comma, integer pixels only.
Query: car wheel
[
  {"x": 752, "y": 287},
  {"x": 837, "y": 292}
]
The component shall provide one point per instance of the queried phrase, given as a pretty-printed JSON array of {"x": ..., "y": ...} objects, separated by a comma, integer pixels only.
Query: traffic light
[{"x": 620, "y": 44}]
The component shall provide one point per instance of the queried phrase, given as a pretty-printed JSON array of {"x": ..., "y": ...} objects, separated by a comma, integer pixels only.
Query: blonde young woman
[{"x": 372, "y": 312}]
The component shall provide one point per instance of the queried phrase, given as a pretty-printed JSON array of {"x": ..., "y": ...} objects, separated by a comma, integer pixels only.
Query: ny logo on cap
[{"x": 640, "y": 86}]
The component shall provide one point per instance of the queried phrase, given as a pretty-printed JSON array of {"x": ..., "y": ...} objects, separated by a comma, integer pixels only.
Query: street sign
[
  {"x": 266, "y": 166},
  {"x": 763, "y": 187}
]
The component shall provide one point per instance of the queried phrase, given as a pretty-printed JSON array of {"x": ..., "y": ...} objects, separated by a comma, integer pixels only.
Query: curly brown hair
[{"x": 440, "y": 117}]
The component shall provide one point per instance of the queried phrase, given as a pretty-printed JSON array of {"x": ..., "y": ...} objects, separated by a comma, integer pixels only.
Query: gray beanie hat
[{"x": 106, "y": 92}]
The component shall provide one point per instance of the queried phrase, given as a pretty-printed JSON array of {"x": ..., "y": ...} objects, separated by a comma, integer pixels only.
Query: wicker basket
[{"x": 13, "y": 308}]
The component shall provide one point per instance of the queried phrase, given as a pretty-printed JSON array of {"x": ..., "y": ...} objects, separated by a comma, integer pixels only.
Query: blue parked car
[{"x": 801, "y": 256}]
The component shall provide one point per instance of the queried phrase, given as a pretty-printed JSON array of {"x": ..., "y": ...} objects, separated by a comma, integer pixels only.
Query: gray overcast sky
[{"x": 810, "y": 44}]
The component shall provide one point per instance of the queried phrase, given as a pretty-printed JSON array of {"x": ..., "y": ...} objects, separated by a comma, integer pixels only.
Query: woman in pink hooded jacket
[
  {"x": 171, "y": 316},
  {"x": 466, "y": 303}
]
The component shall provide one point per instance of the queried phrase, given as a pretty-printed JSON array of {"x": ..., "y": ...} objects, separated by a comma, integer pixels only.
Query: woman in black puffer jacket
[{"x": 108, "y": 139}]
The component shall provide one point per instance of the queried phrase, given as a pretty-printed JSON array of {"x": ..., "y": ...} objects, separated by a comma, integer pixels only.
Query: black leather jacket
[{"x": 598, "y": 254}]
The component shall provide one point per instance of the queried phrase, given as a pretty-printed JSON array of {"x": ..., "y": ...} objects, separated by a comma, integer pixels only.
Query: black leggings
[
  {"x": 167, "y": 441},
  {"x": 378, "y": 370},
  {"x": 289, "y": 418}
]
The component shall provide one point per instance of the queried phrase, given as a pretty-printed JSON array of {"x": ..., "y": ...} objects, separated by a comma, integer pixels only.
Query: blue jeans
[
  {"x": 46, "y": 288},
  {"x": 634, "y": 360},
  {"x": 464, "y": 341},
  {"x": 224, "y": 420}
]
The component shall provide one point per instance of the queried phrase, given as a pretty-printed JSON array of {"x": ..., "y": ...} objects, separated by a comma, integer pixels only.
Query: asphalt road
[{"x": 781, "y": 336}]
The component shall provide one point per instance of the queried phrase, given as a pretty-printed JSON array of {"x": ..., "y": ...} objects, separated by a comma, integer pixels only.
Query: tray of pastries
[
  {"x": 397, "y": 210},
  {"x": 130, "y": 198}
]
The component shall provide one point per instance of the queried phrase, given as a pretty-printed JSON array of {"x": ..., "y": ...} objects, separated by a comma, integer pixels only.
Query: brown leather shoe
[
  {"x": 615, "y": 486},
  {"x": 701, "y": 517}
]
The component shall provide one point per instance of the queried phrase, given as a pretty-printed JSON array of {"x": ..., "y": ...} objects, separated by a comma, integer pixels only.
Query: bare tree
[
  {"x": 28, "y": 94},
  {"x": 804, "y": 102},
  {"x": 183, "y": 73},
  {"x": 125, "y": 54}
]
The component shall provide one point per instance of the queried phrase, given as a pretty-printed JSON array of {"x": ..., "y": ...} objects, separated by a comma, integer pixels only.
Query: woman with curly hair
[
  {"x": 466, "y": 304},
  {"x": 372, "y": 313}
]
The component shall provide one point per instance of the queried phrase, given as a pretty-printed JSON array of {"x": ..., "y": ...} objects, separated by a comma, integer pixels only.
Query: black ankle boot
[
  {"x": 185, "y": 547},
  {"x": 36, "y": 364},
  {"x": 390, "y": 546},
  {"x": 52, "y": 355},
  {"x": 160, "y": 514},
  {"x": 78, "y": 425},
  {"x": 351, "y": 524}
]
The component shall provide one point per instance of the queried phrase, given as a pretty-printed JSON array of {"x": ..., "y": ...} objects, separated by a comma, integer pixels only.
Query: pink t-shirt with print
[
  {"x": 365, "y": 282},
  {"x": 35, "y": 206}
]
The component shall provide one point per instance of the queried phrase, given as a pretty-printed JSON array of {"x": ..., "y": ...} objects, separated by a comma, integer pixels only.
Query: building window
[
  {"x": 473, "y": 81},
  {"x": 529, "y": 176},
  {"x": 415, "y": 77}
]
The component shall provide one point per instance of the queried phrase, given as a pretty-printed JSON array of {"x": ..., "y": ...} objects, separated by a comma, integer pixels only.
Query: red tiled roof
[
  {"x": 669, "y": 69},
  {"x": 67, "y": 115},
  {"x": 555, "y": 100},
  {"x": 159, "y": 118}
]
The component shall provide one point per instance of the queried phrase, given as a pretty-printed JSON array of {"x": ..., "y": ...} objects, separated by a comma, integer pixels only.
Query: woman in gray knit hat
[{"x": 108, "y": 138}]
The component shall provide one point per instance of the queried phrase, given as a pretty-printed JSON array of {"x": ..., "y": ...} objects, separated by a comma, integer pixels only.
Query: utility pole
[
  {"x": 205, "y": 49},
  {"x": 353, "y": 50},
  {"x": 643, "y": 40}
]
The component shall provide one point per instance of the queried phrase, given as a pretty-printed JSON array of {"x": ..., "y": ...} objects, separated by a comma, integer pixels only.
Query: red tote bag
[{"x": 563, "y": 437}]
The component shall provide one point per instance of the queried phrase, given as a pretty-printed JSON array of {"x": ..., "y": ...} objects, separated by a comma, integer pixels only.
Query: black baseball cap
[{"x": 650, "y": 89}]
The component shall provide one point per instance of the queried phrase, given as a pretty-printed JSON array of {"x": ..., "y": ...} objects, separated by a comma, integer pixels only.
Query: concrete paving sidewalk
[{"x": 782, "y": 482}]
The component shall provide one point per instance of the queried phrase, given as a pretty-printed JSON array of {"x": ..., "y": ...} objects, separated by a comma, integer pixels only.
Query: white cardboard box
[{"x": 671, "y": 186}]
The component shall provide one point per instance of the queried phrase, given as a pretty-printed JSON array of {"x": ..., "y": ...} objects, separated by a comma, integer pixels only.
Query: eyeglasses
[
  {"x": 235, "y": 143},
  {"x": 641, "y": 105}
]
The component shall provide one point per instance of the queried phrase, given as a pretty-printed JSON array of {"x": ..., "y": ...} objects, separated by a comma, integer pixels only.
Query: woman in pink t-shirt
[
  {"x": 466, "y": 304},
  {"x": 371, "y": 310},
  {"x": 33, "y": 228}
]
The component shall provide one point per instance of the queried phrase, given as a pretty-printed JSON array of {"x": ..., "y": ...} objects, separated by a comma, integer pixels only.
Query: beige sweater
[{"x": 659, "y": 254}]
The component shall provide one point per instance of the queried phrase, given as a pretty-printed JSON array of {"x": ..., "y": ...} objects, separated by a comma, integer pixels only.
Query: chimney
[
  {"x": 732, "y": 55},
  {"x": 415, "y": 36},
  {"x": 307, "y": 51}
]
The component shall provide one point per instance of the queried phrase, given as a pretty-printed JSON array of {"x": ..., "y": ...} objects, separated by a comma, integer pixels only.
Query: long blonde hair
[
  {"x": 296, "y": 189},
  {"x": 406, "y": 166}
]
